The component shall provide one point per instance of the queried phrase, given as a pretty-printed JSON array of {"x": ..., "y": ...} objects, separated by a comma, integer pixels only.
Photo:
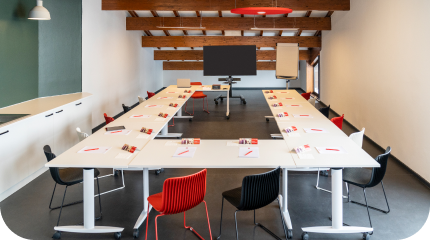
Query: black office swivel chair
[
  {"x": 126, "y": 109},
  {"x": 367, "y": 178},
  {"x": 257, "y": 191},
  {"x": 67, "y": 177},
  {"x": 325, "y": 111}
]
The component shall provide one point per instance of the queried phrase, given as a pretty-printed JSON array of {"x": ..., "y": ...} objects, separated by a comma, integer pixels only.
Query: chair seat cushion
[
  {"x": 357, "y": 176},
  {"x": 198, "y": 94},
  {"x": 156, "y": 201},
  {"x": 233, "y": 196},
  {"x": 72, "y": 176}
]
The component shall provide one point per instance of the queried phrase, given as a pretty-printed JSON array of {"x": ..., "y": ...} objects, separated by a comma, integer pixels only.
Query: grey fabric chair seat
[
  {"x": 357, "y": 176},
  {"x": 74, "y": 175}
]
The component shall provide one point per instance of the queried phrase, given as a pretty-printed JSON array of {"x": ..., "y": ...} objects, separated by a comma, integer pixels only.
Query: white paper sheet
[
  {"x": 293, "y": 105},
  {"x": 92, "y": 149},
  {"x": 160, "y": 119},
  {"x": 140, "y": 116},
  {"x": 289, "y": 98},
  {"x": 249, "y": 152},
  {"x": 284, "y": 92},
  {"x": 331, "y": 150},
  {"x": 171, "y": 92},
  {"x": 164, "y": 97},
  {"x": 154, "y": 106},
  {"x": 185, "y": 152},
  {"x": 119, "y": 132},
  {"x": 124, "y": 155},
  {"x": 143, "y": 135},
  {"x": 315, "y": 130},
  {"x": 306, "y": 156},
  {"x": 302, "y": 116},
  {"x": 232, "y": 143}
]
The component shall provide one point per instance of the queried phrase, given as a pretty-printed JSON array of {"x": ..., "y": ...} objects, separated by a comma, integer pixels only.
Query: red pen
[
  {"x": 152, "y": 105},
  {"x": 115, "y": 131},
  {"x": 329, "y": 149},
  {"x": 183, "y": 152},
  {"x": 138, "y": 116},
  {"x": 248, "y": 153},
  {"x": 316, "y": 129},
  {"x": 92, "y": 149}
]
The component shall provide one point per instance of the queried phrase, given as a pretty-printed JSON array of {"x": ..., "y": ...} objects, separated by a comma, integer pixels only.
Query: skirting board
[
  {"x": 21, "y": 184},
  {"x": 422, "y": 180}
]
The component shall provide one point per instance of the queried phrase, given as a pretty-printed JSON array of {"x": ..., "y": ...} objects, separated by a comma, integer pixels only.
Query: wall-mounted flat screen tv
[{"x": 229, "y": 60}]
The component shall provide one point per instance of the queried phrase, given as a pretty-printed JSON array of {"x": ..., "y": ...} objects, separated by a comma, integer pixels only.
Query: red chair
[
  {"x": 108, "y": 119},
  {"x": 150, "y": 94},
  {"x": 197, "y": 95},
  {"x": 338, "y": 121},
  {"x": 307, "y": 96},
  {"x": 179, "y": 195}
]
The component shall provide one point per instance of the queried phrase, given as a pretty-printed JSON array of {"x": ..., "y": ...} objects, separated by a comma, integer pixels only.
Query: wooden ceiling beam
[
  {"x": 230, "y": 23},
  {"x": 155, "y": 14},
  {"x": 200, "y": 41},
  {"x": 220, "y": 5},
  {"x": 307, "y": 15},
  {"x": 318, "y": 32},
  {"x": 197, "y": 55},
  {"x": 199, "y": 65}
]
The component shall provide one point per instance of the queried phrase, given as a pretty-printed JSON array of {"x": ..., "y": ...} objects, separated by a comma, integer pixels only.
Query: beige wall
[{"x": 375, "y": 67}]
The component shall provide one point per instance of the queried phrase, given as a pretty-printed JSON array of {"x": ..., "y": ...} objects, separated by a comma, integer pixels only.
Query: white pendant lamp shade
[{"x": 39, "y": 12}]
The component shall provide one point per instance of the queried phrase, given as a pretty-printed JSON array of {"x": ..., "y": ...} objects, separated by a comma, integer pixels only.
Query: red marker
[
  {"x": 316, "y": 129},
  {"x": 330, "y": 149},
  {"x": 138, "y": 116},
  {"x": 248, "y": 153},
  {"x": 183, "y": 152},
  {"x": 114, "y": 132},
  {"x": 92, "y": 149},
  {"x": 152, "y": 105}
]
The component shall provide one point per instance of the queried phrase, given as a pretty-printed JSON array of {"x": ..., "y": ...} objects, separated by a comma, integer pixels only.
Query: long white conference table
[{"x": 155, "y": 154}]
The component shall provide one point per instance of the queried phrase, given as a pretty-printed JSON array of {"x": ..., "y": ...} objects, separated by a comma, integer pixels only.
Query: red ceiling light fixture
[{"x": 261, "y": 10}]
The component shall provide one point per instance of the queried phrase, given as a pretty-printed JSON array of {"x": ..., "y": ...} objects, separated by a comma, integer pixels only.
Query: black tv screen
[{"x": 229, "y": 60}]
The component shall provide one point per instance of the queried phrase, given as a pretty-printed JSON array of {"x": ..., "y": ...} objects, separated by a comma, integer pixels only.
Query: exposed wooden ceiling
[{"x": 309, "y": 17}]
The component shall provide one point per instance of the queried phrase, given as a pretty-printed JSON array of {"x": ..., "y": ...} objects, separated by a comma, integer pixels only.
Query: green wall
[
  {"x": 60, "y": 48},
  {"x": 18, "y": 52}
]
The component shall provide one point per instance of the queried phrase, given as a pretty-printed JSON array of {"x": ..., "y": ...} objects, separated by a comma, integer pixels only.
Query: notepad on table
[
  {"x": 249, "y": 152},
  {"x": 154, "y": 106},
  {"x": 119, "y": 132},
  {"x": 140, "y": 116},
  {"x": 315, "y": 130},
  {"x": 185, "y": 152},
  {"x": 331, "y": 150},
  {"x": 91, "y": 149},
  {"x": 302, "y": 116},
  {"x": 164, "y": 97}
]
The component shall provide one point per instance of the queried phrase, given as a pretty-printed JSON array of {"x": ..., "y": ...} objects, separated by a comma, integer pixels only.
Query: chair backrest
[
  {"x": 312, "y": 101},
  {"x": 108, "y": 119},
  {"x": 141, "y": 99},
  {"x": 325, "y": 111},
  {"x": 379, "y": 173},
  {"x": 259, "y": 190},
  {"x": 338, "y": 121},
  {"x": 125, "y": 108},
  {"x": 81, "y": 135},
  {"x": 150, "y": 94},
  {"x": 196, "y": 83},
  {"x": 307, "y": 96},
  {"x": 357, "y": 137},
  {"x": 55, "y": 174},
  {"x": 183, "y": 193}
]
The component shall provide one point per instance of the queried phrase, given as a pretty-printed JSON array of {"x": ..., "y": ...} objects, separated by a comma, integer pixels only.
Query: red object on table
[{"x": 179, "y": 195}]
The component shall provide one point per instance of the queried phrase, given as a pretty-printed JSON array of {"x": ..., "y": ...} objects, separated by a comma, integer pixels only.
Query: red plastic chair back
[
  {"x": 183, "y": 193},
  {"x": 307, "y": 96},
  {"x": 196, "y": 83},
  {"x": 108, "y": 119},
  {"x": 338, "y": 121},
  {"x": 150, "y": 94},
  {"x": 198, "y": 94}
]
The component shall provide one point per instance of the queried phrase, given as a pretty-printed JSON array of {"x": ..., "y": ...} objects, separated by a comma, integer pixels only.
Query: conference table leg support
[
  {"x": 179, "y": 115},
  {"x": 336, "y": 211},
  {"x": 88, "y": 227},
  {"x": 165, "y": 133},
  {"x": 145, "y": 211},
  {"x": 228, "y": 107},
  {"x": 283, "y": 199}
]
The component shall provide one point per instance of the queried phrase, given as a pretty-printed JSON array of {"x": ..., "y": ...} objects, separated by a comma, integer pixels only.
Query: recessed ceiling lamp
[
  {"x": 261, "y": 10},
  {"x": 181, "y": 23},
  {"x": 39, "y": 12}
]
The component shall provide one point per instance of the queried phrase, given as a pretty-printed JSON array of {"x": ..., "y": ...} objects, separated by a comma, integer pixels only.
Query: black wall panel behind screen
[{"x": 229, "y": 60}]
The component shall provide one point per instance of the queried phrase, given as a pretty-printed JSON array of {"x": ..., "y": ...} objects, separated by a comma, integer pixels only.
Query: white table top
[
  {"x": 213, "y": 154},
  {"x": 199, "y": 88}
]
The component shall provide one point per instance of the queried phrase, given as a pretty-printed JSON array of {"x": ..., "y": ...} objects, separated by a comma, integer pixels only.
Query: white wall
[
  {"x": 375, "y": 70},
  {"x": 261, "y": 80},
  {"x": 115, "y": 68}
]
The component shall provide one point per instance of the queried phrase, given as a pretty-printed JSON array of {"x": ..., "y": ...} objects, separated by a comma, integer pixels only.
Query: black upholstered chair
[
  {"x": 126, "y": 109},
  {"x": 257, "y": 191},
  {"x": 325, "y": 110},
  {"x": 67, "y": 177},
  {"x": 367, "y": 178}
]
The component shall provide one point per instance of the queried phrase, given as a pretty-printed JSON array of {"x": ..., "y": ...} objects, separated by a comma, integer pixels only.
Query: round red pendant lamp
[{"x": 261, "y": 10}]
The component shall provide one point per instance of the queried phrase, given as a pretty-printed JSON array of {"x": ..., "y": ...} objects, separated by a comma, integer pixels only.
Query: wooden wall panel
[
  {"x": 199, "y": 65},
  {"x": 198, "y": 55}
]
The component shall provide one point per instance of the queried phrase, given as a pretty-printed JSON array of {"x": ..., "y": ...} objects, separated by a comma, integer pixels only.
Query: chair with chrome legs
[
  {"x": 325, "y": 111},
  {"x": 67, "y": 177},
  {"x": 367, "y": 178},
  {"x": 257, "y": 191},
  {"x": 126, "y": 108}
]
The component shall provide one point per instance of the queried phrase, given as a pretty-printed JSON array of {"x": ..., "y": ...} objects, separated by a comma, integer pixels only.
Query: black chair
[
  {"x": 257, "y": 191},
  {"x": 67, "y": 177},
  {"x": 325, "y": 111},
  {"x": 367, "y": 178},
  {"x": 126, "y": 109}
]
